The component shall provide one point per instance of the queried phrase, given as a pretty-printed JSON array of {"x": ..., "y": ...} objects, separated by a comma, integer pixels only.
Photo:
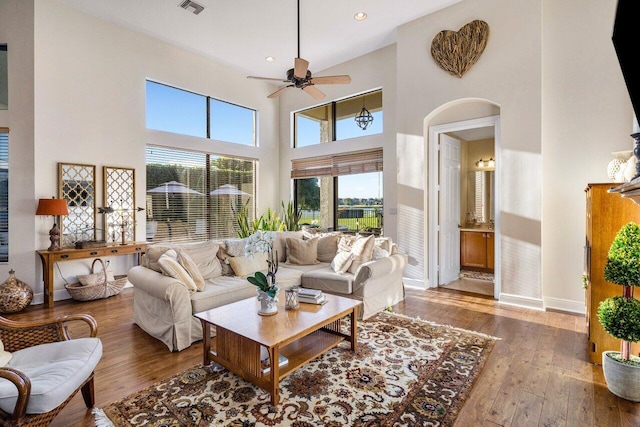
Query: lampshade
[{"x": 52, "y": 207}]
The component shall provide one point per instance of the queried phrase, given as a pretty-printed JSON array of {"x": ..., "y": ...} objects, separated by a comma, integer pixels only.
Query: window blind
[
  {"x": 194, "y": 196},
  {"x": 338, "y": 164},
  {"x": 4, "y": 195}
]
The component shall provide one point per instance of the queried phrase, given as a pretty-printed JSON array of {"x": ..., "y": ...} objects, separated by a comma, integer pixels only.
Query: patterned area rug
[
  {"x": 405, "y": 372},
  {"x": 478, "y": 275}
]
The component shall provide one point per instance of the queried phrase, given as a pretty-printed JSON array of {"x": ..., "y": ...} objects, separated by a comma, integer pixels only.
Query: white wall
[
  {"x": 90, "y": 108},
  {"x": 546, "y": 159},
  {"x": 586, "y": 115},
  {"x": 375, "y": 70},
  {"x": 16, "y": 29}
]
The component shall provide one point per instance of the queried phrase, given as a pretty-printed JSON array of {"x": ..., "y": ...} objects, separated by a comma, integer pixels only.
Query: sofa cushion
[
  {"x": 190, "y": 266},
  {"x": 244, "y": 266},
  {"x": 204, "y": 255},
  {"x": 327, "y": 246},
  {"x": 302, "y": 252},
  {"x": 55, "y": 370},
  {"x": 220, "y": 291},
  {"x": 327, "y": 280},
  {"x": 172, "y": 268},
  {"x": 280, "y": 244}
]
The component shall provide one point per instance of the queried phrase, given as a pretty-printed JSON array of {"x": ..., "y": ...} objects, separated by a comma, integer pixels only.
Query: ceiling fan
[{"x": 301, "y": 78}]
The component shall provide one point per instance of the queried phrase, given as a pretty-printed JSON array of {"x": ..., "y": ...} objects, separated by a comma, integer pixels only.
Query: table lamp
[{"x": 54, "y": 207}]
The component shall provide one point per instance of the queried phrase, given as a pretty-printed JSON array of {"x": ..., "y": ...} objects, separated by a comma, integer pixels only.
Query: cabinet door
[
  {"x": 491, "y": 250},
  {"x": 473, "y": 249}
]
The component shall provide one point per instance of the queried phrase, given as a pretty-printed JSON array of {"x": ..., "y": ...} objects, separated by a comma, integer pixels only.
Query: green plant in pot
[{"x": 620, "y": 315}]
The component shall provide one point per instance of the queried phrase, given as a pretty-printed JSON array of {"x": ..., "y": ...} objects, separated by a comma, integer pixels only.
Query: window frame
[
  {"x": 334, "y": 120},
  {"x": 207, "y": 117}
]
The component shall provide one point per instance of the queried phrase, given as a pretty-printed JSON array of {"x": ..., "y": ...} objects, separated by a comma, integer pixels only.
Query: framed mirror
[
  {"x": 480, "y": 200},
  {"x": 76, "y": 184},
  {"x": 119, "y": 204}
]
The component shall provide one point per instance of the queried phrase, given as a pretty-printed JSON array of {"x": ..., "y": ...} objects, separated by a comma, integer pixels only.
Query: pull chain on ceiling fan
[{"x": 301, "y": 78}]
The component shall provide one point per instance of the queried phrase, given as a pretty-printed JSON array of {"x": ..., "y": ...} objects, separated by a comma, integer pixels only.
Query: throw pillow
[
  {"x": 224, "y": 257},
  {"x": 378, "y": 253},
  {"x": 153, "y": 254},
  {"x": 341, "y": 262},
  {"x": 245, "y": 266},
  {"x": 235, "y": 247},
  {"x": 5, "y": 356},
  {"x": 280, "y": 244},
  {"x": 327, "y": 246},
  {"x": 302, "y": 252},
  {"x": 188, "y": 264},
  {"x": 362, "y": 251},
  {"x": 204, "y": 256},
  {"x": 172, "y": 268}
]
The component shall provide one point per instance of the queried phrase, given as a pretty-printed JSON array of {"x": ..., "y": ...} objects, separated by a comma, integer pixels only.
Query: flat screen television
[{"x": 626, "y": 43}]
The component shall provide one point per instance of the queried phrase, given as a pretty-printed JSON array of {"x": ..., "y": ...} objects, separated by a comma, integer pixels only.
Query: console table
[{"x": 49, "y": 258}]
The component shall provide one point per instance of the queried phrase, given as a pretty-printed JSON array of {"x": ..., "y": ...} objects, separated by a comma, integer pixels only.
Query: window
[
  {"x": 179, "y": 111},
  {"x": 4, "y": 195},
  {"x": 342, "y": 191},
  {"x": 195, "y": 196},
  {"x": 336, "y": 121},
  {"x": 4, "y": 80}
]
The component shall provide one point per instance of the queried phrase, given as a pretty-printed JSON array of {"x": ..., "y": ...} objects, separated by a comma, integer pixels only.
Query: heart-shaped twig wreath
[{"x": 457, "y": 51}]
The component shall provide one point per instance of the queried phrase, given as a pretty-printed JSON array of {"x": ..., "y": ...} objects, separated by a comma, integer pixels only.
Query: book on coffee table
[
  {"x": 304, "y": 292},
  {"x": 265, "y": 364},
  {"x": 321, "y": 300}
]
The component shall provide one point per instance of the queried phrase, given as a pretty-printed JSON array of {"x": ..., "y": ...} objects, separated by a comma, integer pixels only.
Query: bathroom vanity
[{"x": 477, "y": 249}]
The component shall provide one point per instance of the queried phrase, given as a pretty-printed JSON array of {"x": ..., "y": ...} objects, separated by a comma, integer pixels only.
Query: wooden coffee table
[{"x": 301, "y": 335}]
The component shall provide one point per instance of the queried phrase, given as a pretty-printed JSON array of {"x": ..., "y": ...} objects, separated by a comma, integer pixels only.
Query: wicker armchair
[{"x": 56, "y": 351}]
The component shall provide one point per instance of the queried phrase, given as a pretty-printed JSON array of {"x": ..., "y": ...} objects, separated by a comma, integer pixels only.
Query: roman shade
[{"x": 338, "y": 164}]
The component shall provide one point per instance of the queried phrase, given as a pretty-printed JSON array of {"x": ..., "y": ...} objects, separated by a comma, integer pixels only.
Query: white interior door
[{"x": 449, "y": 235}]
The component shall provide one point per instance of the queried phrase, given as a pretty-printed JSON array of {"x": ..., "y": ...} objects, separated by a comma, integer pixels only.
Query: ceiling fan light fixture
[
  {"x": 363, "y": 119},
  {"x": 360, "y": 16}
]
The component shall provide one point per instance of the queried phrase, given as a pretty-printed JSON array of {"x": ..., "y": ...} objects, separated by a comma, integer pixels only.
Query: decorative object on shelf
[
  {"x": 119, "y": 198},
  {"x": 262, "y": 242},
  {"x": 363, "y": 118},
  {"x": 616, "y": 167},
  {"x": 15, "y": 295},
  {"x": 291, "y": 298},
  {"x": 620, "y": 315},
  {"x": 486, "y": 163},
  {"x": 96, "y": 285},
  {"x": 76, "y": 185},
  {"x": 53, "y": 207},
  {"x": 457, "y": 51}
]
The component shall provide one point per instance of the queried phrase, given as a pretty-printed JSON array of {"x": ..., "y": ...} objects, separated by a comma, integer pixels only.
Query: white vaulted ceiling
[{"x": 241, "y": 33}]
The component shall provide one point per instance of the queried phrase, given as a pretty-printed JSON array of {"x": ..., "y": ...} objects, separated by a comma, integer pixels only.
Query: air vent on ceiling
[{"x": 192, "y": 6}]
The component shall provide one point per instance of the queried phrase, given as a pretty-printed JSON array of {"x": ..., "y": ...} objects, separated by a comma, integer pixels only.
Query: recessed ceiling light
[
  {"x": 270, "y": 59},
  {"x": 360, "y": 16}
]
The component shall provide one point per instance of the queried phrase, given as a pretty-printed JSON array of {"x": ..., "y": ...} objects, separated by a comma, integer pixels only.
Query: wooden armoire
[{"x": 606, "y": 214}]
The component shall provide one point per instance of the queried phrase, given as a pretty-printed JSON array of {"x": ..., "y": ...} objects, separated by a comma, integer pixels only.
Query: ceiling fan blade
[
  {"x": 314, "y": 91},
  {"x": 267, "y": 78},
  {"x": 300, "y": 68},
  {"x": 331, "y": 80},
  {"x": 279, "y": 91}
]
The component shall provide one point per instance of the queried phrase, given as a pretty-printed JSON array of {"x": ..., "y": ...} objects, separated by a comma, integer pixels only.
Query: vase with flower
[{"x": 262, "y": 242}]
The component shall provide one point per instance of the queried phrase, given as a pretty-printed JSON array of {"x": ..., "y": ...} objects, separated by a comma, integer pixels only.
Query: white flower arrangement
[{"x": 262, "y": 242}]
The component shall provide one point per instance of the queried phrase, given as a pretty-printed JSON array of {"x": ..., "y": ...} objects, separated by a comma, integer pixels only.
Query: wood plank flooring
[{"x": 537, "y": 375}]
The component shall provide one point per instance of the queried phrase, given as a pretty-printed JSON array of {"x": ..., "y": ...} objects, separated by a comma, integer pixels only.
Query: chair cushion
[
  {"x": 5, "y": 356},
  {"x": 56, "y": 370}
]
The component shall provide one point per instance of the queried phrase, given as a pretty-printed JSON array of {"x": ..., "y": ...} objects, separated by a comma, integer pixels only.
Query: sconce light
[{"x": 486, "y": 163}]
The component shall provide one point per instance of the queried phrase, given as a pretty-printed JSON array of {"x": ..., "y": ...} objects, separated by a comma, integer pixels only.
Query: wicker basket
[{"x": 103, "y": 288}]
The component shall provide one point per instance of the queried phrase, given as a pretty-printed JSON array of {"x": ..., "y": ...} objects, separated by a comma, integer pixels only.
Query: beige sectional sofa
[{"x": 164, "y": 306}]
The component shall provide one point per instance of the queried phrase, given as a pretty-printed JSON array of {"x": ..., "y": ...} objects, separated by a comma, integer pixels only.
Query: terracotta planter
[{"x": 623, "y": 380}]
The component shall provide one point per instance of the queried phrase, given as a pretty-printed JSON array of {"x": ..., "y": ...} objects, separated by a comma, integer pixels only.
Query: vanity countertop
[{"x": 479, "y": 229}]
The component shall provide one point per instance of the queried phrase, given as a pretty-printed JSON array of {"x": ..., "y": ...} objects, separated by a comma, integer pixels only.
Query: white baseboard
[
  {"x": 565, "y": 305},
  {"x": 520, "y": 301},
  {"x": 415, "y": 283}
]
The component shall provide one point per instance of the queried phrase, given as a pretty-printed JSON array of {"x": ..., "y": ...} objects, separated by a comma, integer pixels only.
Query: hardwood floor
[{"x": 537, "y": 375}]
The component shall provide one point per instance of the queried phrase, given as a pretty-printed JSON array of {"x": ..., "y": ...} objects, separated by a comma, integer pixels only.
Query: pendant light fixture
[{"x": 364, "y": 117}]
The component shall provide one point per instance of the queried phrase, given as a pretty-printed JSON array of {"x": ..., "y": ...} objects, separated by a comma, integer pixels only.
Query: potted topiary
[{"x": 620, "y": 315}]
